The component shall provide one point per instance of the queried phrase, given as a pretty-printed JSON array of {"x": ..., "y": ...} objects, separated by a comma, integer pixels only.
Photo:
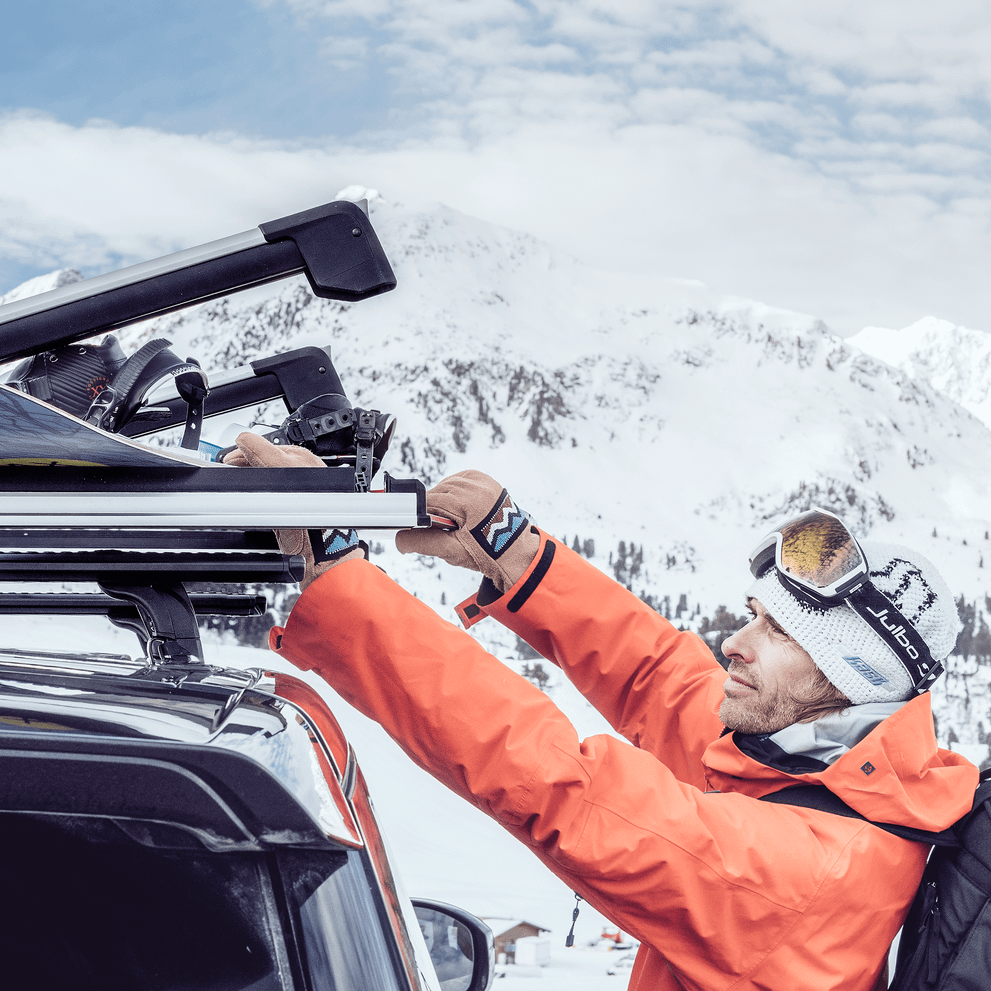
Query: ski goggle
[
  {"x": 815, "y": 552},
  {"x": 816, "y": 558}
]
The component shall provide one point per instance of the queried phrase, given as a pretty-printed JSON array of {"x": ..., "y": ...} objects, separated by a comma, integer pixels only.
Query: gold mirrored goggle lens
[{"x": 817, "y": 549}]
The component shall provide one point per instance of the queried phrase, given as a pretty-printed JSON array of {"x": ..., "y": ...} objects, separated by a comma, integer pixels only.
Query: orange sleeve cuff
[{"x": 476, "y": 607}]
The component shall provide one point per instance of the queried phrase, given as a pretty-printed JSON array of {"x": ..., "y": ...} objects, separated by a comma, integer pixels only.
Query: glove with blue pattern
[
  {"x": 338, "y": 545},
  {"x": 493, "y": 535}
]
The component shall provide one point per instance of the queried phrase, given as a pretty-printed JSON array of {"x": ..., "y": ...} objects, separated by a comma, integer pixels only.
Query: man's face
[{"x": 771, "y": 678}]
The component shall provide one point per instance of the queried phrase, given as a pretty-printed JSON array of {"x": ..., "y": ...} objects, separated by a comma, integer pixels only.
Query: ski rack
[
  {"x": 142, "y": 533},
  {"x": 333, "y": 245},
  {"x": 296, "y": 377}
]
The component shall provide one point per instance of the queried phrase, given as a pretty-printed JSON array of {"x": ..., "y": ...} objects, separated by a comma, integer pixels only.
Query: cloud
[
  {"x": 831, "y": 158},
  {"x": 659, "y": 199},
  {"x": 962, "y": 130},
  {"x": 782, "y": 72}
]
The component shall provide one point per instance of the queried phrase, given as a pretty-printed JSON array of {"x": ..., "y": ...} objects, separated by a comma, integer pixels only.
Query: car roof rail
[{"x": 142, "y": 576}]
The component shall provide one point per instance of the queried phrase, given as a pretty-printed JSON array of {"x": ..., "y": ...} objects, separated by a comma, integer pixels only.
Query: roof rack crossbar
[{"x": 96, "y": 604}]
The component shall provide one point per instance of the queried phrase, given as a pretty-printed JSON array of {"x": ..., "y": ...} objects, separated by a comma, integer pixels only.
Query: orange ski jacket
[{"x": 665, "y": 837}]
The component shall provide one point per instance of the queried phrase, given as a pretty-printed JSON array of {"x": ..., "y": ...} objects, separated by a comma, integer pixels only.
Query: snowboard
[
  {"x": 107, "y": 480},
  {"x": 33, "y": 432}
]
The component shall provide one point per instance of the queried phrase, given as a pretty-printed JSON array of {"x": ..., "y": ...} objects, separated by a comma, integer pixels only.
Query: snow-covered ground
[{"x": 580, "y": 968}]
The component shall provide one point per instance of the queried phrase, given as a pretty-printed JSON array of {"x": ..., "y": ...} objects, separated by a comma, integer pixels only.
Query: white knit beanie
[{"x": 850, "y": 654}]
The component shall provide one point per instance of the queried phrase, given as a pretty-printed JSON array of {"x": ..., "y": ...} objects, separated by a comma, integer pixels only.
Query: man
[{"x": 666, "y": 837}]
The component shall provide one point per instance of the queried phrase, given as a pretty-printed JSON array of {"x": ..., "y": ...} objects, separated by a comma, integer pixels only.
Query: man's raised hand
[
  {"x": 339, "y": 545},
  {"x": 493, "y": 536}
]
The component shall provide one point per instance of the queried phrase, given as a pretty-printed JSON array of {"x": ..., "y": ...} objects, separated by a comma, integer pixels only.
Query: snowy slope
[{"x": 953, "y": 360}]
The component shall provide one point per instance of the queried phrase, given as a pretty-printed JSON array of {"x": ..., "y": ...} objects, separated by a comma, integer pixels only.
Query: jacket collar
[
  {"x": 809, "y": 747},
  {"x": 894, "y": 773}
]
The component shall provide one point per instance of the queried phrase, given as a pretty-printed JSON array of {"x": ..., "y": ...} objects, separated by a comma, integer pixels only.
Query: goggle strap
[
  {"x": 763, "y": 555},
  {"x": 898, "y": 633}
]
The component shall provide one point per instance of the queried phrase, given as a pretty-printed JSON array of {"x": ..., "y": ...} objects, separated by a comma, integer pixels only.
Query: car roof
[{"x": 184, "y": 754}]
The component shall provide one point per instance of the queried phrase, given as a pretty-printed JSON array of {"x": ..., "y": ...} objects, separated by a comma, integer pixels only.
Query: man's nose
[{"x": 736, "y": 647}]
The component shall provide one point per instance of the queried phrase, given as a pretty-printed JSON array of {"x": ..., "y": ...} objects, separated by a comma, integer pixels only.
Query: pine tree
[
  {"x": 982, "y": 642},
  {"x": 536, "y": 674},
  {"x": 628, "y": 563},
  {"x": 717, "y": 631},
  {"x": 964, "y": 646}
]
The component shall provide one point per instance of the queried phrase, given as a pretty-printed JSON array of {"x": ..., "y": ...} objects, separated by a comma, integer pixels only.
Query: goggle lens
[{"x": 818, "y": 550}]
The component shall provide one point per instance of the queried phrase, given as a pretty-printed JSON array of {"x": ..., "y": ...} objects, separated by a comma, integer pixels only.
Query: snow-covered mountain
[
  {"x": 660, "y": 424},
  {"x": 953, "y": 360},
  {"x": 42, "y": 283},
  {"x": 615, "y": 407}
]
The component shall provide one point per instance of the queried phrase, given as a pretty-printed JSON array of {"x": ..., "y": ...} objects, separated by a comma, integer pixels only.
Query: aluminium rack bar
[
  {"x": 259, "y": 499},
  {"x": 333, "y": 245}
]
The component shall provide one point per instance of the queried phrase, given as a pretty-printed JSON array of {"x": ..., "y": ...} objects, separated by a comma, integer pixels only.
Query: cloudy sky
[{"x": 829, "y": 156}]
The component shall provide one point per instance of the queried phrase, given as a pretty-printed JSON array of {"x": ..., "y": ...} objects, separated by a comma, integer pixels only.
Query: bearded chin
[
  {"x": 754, "y": 715},
  {"x": 760, "y": 712}
]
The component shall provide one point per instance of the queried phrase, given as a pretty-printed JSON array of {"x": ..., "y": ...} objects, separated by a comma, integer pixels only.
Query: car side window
[{"x": 339, "y": 922}]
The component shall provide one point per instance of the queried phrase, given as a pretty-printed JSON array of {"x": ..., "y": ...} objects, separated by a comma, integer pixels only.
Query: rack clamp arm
[
  {"x": 173, "y": 635},
  {"x": 365, "y": 440}
]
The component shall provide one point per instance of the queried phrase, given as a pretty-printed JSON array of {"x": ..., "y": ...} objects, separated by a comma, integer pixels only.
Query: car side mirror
[{"x": 460, "y": 945}]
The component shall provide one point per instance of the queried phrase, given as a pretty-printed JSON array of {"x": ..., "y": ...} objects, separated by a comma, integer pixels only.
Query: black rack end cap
[{"x": 344, "y": 259}]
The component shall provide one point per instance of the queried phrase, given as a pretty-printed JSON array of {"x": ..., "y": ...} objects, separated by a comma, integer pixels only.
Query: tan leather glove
[
  {"x": 493, "y": 536},
  {"x": 339, "y": 545},
  {"x": 256, "y": 452}
]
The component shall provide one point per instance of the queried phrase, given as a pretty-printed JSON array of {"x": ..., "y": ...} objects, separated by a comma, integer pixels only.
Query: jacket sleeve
[
  {"x": 663, "y": 860},
  {"x": 657, "y": 686}
]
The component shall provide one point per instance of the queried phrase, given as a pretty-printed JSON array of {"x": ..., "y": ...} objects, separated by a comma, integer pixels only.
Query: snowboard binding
[
  {"x": 333, "y": 429},
  {"x": 103, "y": 386}
]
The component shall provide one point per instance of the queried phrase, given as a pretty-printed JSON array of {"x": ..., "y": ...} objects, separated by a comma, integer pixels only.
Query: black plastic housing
[{"x": 222, "y": 794}]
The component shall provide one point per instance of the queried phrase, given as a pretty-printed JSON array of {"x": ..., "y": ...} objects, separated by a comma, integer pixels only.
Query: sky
[{"x": 829, "y": 157}]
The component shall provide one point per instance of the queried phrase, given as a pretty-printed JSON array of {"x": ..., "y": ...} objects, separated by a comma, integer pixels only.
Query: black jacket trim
[
  {"x": 763, "y": 749},
  {"x": 488, "y": 592},
  {"x": 536, "y": 576}
]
